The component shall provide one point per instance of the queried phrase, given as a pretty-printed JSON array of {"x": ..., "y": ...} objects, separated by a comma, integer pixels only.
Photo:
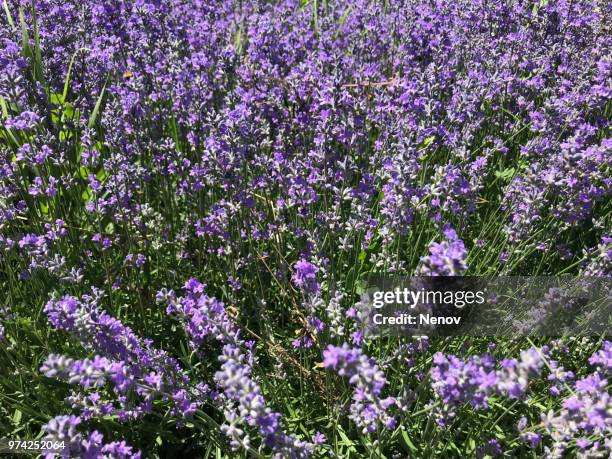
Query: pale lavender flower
[
  {"x": 369, "y": 409},
  {"x": 305, "y": 276},
  {"x": 63, "y": 429}
]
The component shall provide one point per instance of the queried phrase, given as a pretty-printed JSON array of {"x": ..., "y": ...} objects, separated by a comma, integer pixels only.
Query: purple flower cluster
[
  {"x": 240, "y": 396},
  {"x": 63, "y": 429},
  {"x": 282, "y": 150},
  {"x": 202, "y": 316},
  {"x": 39, "y": 250},
  {"x": 26, "y": 120},
  {"x": 276, "y": 123},
  {"x": 600, "y": 259},
  {"x": 369, "y": 408},
  {"x": 473, "y": 381},
  {"x": 305, "y": 276},
  {"x": 138, "y": 372},
  {"x": 585, "y": 419},
  {"x": 602, "y": 359},
  {"x": 446, "y": 258}
]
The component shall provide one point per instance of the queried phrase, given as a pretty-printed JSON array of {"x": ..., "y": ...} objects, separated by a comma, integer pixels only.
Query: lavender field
[{"x": 192, "y": 193}]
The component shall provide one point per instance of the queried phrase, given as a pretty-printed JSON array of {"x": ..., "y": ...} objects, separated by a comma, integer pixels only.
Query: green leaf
[
  {"x": 343, "y": 18},
  {"x": 408, "y": 443},
  {"x": 37, "y": 52},
  {"x": 68, "y": 111},
  {"x": 9, "y": 18},
  {"x": 101, "y": 175},
  {"x": 34, "y": 56},
  {"x": 17, "y": 417},
  {"x": 67, "y": 81},
  {"x": 25, "y": 37},
  {"x": 56, "y": 99},
  {"x": 94, "y": 114},
  {"x": 346, "y": 441},
  {"x": 315, "y": 14},
  {"x": 506, "y": 174},
  {"x": 238, "y": 40},
  {"x": 12, "y": 139},
  {"x": 4, "y": 107},
  {"x": 360, "y": 287},
  {"x": 428, "y": 141}
]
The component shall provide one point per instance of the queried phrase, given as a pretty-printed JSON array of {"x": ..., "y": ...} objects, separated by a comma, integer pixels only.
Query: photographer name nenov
[{"x": 413, "y": 319}]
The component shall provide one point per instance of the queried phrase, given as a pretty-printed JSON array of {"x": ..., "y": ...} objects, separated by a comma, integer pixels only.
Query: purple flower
[
  {"x": 63, "y": 429},
  {"x": 305, "y": 276},
  {"x": 591, "y": 384},
  {"x": 368, "y": 410},
  {"x": 122, "y": 359},
  {"x": 532, "y": 438},
  {"x": 603, "y": 358},
  {"x": 475, "y": 380},
  {"x": 491, "y": 448},
  {"x": 24, "y": 121},
  {"x": 205, "y": 317},
  {"x": 584, "y": 413},
  {"x": 293, "y": 146},
  {"x": 446, "y": 258}
]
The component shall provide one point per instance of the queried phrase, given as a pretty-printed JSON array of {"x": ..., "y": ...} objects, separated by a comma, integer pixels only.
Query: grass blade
[
  {"x": 67, "y": 81},
  {"x": 94, "y": 114},
  {"x": 9, "y": 18},
  {"x": 37, "y": 52},
  {"x": 4, "y": 107}
]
